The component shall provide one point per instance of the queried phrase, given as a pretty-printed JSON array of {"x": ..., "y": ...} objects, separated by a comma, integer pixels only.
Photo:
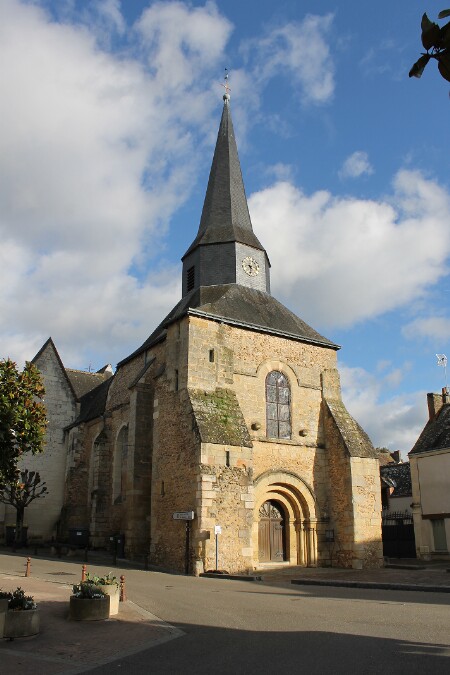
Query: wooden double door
[{"x": 271, "y": 533}]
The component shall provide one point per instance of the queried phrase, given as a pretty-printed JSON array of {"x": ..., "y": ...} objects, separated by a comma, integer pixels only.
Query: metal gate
[{"x": 398, "y": 535}]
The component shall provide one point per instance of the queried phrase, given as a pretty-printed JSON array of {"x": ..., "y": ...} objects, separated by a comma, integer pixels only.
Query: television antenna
[{"x": 442, "y": 362}]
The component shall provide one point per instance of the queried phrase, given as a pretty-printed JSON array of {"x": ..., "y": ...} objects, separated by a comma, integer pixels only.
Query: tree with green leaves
[
  {"x": 19, "y": 493},
  {"x": 436, "y": 42},
  {"x": 22, "y": 416}
]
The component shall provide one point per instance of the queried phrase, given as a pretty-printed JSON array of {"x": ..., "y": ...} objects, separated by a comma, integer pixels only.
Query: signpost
[
  {"x": 183, "y": 515},
  {"x": 187, "y": 516},
  {"x": 217, "y": 531}
]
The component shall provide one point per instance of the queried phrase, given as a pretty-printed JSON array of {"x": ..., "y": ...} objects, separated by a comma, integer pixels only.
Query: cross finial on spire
[{"x": 226, "y": 96}]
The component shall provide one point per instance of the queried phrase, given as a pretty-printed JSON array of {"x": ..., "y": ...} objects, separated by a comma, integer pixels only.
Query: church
[{"x": 223, "y": 439}]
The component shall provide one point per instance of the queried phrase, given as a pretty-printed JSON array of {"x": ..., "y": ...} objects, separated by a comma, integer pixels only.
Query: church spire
[{"x": 225, "y": 250}]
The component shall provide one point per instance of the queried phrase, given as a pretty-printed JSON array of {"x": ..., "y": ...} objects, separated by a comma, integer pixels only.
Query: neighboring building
[
  {"x": 231, "y": 410},
  {"x": 396, "y": 490},
  {"x": 396, "y": 500},
  {"x": 63, "y": 389},
  {"x": 430, "y": 475}
]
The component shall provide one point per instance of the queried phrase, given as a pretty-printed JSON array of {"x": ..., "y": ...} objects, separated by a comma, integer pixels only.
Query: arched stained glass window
[{"x": 278, "y": 405}]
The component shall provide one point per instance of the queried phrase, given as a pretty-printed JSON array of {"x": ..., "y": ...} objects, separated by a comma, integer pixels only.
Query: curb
[
  {"x": 374, "y": 585},
  {"x": 234, "y": 577}
]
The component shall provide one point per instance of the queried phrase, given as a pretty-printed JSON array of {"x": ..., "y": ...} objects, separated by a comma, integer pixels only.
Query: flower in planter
[
  {"x": 87, "y": 590},
  {"x": 107, "y": 580},
  {"x": 19, "y": 601},
  {"x": 5, "y": 595}
]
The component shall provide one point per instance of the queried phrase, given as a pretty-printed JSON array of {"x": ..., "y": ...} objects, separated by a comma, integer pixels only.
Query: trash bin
[
  {"x": 10, "y": 535},
  {"x": 117, "y": 542},
  {"x": 79, "y": 537}
]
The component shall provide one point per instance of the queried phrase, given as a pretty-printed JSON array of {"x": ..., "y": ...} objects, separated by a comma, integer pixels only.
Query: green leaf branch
[{"x": 436, "y": 42}]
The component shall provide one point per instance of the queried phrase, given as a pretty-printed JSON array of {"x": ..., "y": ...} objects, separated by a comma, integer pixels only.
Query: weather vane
[
  {"x": 226, "y": 96},
  {"x": 442, "y": 361}
]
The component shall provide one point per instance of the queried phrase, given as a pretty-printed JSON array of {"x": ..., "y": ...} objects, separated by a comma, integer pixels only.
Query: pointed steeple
[{"x": 225, "y": 250}]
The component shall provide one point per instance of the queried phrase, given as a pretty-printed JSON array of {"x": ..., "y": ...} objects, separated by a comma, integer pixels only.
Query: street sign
[
  {"x": 183, "y": 515},
  {"x": 217, "y": 529}
]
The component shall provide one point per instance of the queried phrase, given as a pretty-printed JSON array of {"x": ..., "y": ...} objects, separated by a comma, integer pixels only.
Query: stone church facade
[{"x": 231, "y": 410}]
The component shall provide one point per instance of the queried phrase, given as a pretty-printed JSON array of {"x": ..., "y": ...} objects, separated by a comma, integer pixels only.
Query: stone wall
[
  {"x": 241, "y": 361},
  {"x": 355, "y": 495},
  {"x": 43, "y": 515}
]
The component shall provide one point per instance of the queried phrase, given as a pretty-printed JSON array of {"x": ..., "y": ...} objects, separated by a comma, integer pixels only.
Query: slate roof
[
  {"x": 356, "y": 441},
  {"x": 82, "y": 381},
  {"x": 93, "y": 403},
  {"x": 399, "y": 476},
  {"x": 241, "y": 306},
  {"x": 436, "y": 433},
  {"x": 225, "y": 216}
]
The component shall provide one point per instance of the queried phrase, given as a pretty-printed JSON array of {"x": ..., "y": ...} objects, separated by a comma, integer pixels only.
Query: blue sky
[{"x": 109, "y": 117}]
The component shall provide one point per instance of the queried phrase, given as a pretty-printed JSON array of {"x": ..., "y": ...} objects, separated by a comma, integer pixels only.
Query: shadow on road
[{"x": 223, "y": 651}]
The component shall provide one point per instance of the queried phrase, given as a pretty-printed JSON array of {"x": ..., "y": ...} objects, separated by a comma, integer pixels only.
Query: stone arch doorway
[
  {"x": 271, "y": 532},
  {"x": 285, "y": 492}
]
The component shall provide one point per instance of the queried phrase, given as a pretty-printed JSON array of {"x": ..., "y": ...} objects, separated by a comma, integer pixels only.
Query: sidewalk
[
  {"x": 432, "y": 578},
  {"x": 71, "y": 647}
]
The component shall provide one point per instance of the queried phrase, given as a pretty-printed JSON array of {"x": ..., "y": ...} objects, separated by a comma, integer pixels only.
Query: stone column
[
  {"x": 310, "y": 526},
  {"x": 300, "y": 539}
]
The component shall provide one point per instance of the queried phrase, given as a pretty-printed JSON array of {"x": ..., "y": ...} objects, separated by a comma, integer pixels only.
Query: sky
[{"x": 108, "y": 120}]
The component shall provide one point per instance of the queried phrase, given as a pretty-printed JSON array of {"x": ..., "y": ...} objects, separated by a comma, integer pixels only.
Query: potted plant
[
  {"x": 110, "y": 586},
  {"x": 88, "y": 602},
  {"x": 22, "y": 617}
]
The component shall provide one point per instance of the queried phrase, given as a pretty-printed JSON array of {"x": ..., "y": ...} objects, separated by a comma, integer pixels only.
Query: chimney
[
  {"x": 445, "y": 396},
  {"x": 435, "y": 403},
  {"x": 396, "y": 456}
]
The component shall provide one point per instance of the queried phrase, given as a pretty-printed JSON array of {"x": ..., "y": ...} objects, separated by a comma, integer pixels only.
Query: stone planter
[
  {"x": 21, "y": 623},
  {"x": 3, "y": 610},
  {"x": 89, "y": 609},
  {"x": 113, "y": 591}
]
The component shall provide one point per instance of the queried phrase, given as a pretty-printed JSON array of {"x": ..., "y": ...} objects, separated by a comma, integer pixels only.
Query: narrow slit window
[{"x": 211, "y": 356}]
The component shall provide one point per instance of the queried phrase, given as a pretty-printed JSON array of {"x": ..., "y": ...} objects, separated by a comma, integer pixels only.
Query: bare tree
[{"x": 20, "y": 493}]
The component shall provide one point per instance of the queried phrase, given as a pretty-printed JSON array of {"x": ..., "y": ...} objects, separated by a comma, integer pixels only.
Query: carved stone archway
[{"x": 297, "y": 502}]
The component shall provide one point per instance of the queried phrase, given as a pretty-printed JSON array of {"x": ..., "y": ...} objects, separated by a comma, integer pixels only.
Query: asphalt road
[{"x": 244, "y": 627}]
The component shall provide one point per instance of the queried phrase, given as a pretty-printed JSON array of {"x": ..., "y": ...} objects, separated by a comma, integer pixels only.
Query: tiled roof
[
  {"x": 399, "y": 476},
  {"x": 93, "y": 403},
  {"x": 356, "y": 440},
  {"x": 241, "y": 306},
  {"x": 436, "y": 433},
  {"x": 82, "y": 381}
]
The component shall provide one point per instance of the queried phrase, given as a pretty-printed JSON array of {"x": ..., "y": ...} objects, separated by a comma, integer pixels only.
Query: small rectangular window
[
  {"x": 176, "y": 380},
  {"x": 190, "y": 278},
  {"x": 440, "y": 539},
  {"x": 211, "y": 355}
]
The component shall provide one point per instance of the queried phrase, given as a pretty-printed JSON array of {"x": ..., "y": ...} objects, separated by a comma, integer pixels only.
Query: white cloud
[
  {"x": 96, "y": 154},
  {"x": 337, "y": 261},
  {"x": 300, "y": 51},
  {"x": 435, "y": 328},
  {"x": 357, "y": 164},
  {"x": 395, "y": 422}
]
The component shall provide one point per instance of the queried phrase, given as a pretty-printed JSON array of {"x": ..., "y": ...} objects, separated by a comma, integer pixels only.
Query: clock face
[{"x": 250, "y": 266}]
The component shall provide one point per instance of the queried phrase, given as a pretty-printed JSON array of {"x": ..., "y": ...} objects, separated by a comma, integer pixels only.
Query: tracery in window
[{"x": 278, "y": 405}]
